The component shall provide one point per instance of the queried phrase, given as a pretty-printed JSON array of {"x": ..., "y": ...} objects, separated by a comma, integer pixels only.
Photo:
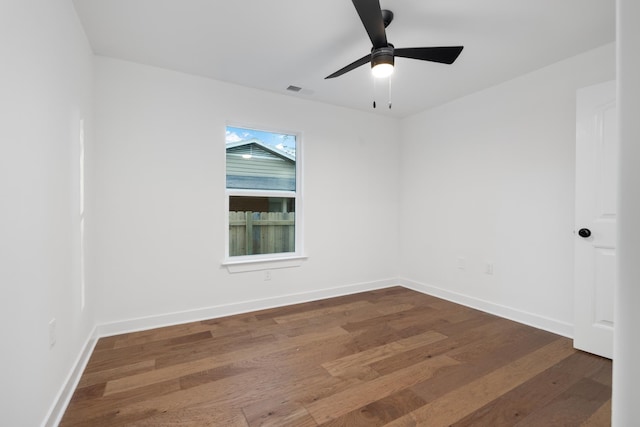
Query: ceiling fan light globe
[
  {"x": 382, "y": 61},
  {"x": 382, "y": 70}
]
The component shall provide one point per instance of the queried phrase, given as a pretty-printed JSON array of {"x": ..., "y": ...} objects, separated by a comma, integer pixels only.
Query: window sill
[{"x": 263, "y": 264}]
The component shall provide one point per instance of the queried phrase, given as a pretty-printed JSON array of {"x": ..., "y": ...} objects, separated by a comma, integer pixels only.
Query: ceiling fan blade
[
  {"x": 444, "y": 55},
  {"x": 355, "y": 64},
  {"x": 371, "y": 17}
]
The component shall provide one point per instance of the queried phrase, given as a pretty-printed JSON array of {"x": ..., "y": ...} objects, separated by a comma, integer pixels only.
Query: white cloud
[{"x": 232, "y": 137}]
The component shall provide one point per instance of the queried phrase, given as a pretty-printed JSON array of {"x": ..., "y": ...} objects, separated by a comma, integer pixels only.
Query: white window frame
[{"x": 276, "y": 260}]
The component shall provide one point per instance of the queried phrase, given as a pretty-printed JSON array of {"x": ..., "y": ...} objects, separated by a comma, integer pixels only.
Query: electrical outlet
[
  {"x": 461, "y": 263},
  {"x": 52, "y": 332},
  {"x": 488, "y": 268},
  {"x": 267, "y": 275}
]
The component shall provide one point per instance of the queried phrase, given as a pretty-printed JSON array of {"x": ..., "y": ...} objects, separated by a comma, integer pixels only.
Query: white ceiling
[{"x": 273, "y": 44}]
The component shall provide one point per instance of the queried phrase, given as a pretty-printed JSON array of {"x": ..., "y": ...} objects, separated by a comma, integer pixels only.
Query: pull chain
[
  {"x": 389, "y": 92},
  {"x": 374, "y": 91}
]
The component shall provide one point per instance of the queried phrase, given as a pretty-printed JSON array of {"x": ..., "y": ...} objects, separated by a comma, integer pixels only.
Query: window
[{"x": 262, "y": 195}]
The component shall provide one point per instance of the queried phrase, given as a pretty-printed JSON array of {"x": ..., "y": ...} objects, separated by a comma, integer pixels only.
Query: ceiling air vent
[{"x": 293, "y": 88}]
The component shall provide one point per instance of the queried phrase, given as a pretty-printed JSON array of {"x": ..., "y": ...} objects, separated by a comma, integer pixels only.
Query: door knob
[{"x": 584, "y": 232}]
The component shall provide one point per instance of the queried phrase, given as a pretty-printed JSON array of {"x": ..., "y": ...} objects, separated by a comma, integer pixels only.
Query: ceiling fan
[{"x": 375, "y": 20}]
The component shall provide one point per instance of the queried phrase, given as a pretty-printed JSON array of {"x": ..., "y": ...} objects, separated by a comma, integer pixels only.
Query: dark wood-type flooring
[{"x": 392, "y": 357}]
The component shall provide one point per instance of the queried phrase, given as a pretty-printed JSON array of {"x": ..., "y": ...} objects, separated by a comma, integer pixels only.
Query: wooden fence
[{"x": 252, "y": 233}]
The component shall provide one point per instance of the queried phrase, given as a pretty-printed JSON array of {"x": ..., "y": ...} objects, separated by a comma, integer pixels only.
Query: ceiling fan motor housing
[
  {"x": 375, "y": 20},
  {"x": 382, "y": 55}
]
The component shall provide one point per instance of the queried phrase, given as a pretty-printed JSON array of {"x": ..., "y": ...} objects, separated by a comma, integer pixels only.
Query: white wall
[
  {"x": 45, "y": 87},
  {"x": 626, "y": 372},
  {"x": 490, "y": 178},
  {"x": 159, "y": 195}
]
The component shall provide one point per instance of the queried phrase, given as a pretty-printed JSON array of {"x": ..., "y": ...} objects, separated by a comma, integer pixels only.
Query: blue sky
[{"x": 277, "y": 140}]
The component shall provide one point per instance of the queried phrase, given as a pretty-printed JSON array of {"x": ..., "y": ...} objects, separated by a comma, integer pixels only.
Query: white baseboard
[
  {"x": 537, "y": 321},
  {"x": 73, "y": 378},
  {"x": 169, "y": 319}
]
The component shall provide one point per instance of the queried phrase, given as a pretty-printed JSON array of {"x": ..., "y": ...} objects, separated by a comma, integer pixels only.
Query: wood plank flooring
[{"x": 392, "y": 357}]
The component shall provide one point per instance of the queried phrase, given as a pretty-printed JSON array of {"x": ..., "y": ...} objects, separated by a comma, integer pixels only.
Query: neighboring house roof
[{"x": 256, "y": 142}]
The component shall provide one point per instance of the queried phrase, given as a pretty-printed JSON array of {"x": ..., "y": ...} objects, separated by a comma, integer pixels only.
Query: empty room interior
[{"x": 214, "y": 214}]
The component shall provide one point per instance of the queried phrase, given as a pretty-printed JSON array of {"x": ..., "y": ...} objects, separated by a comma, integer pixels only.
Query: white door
[{"x": 595, "y": 226}]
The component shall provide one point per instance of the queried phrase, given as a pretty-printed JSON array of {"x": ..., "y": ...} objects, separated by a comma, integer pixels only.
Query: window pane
[
  {"x": 261, "y": 225},
  {"x": 260, "y": 160}
]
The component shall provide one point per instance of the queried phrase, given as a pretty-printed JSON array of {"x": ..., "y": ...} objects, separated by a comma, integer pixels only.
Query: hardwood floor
[{"x": 392, "y": 357}]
